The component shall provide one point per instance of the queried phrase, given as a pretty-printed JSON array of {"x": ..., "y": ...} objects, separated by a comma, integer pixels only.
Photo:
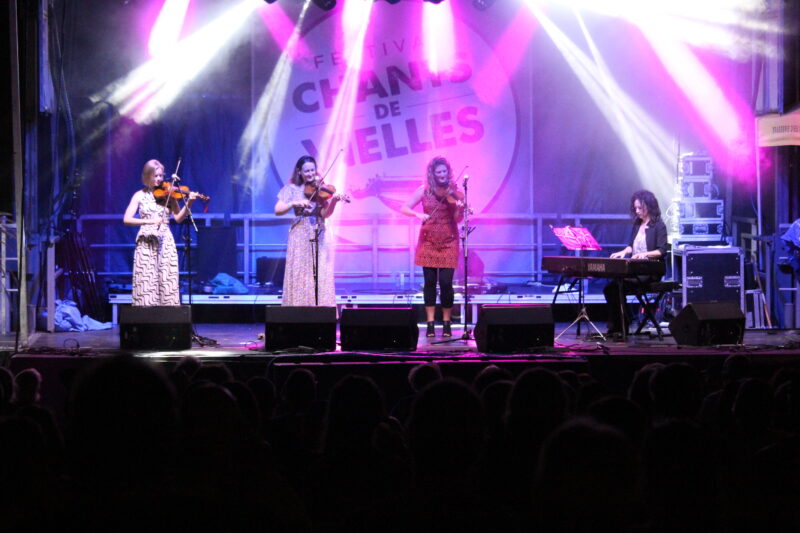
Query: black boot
[
  {"x": 430, "y": 331},
  {"x": 446, "y": 329}
]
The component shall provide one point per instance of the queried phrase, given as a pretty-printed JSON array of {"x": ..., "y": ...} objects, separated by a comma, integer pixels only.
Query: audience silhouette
[{"x": 197, "y": 449}]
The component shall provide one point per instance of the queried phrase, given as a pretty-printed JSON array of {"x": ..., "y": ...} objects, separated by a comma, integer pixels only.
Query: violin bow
[
  {"x": 322, "y": 178},
  {"x": 169, "y": 192}
]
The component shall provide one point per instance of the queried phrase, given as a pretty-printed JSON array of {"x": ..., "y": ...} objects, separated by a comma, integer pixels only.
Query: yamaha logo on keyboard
[{"x": 596, "y": 267}]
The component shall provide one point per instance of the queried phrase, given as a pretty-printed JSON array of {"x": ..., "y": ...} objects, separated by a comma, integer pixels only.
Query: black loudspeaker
[
  {"x": 288, "y": 328},
  {"x": 270, "y": 270},
  {"x": 155, "y": 328},
  {"x": 216, "y": 252},
  {"x": 388, "y": 330},
  {"x": 706, "y": 324},
  {"x": 514, "y": 328}
]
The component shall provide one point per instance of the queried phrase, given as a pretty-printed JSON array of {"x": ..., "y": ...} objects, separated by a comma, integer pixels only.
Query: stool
[{"x": 650, "y": 295}]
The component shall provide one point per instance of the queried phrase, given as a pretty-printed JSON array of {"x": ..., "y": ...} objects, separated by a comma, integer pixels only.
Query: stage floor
[
  {"x": 60, "y": 356},
  {"x": 247, "y": 340}
]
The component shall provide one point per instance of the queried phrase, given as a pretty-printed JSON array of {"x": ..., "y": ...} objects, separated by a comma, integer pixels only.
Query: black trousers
[
  {"x": 611, "y": 292},
  {"x": 445, "y": 278}
]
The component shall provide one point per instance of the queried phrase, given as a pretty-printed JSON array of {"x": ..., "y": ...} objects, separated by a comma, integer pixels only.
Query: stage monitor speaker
[
  {"x": 514, "y": 328},
  {"x": 290, "y": 328},
  {"x": 155, "y": 328},
  {"x": 707, "y": 324},
  {"x": 380, "y": 329}
]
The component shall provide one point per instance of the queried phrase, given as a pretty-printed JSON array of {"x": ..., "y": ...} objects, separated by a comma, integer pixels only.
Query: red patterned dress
[{"x": 437, "y": 246}]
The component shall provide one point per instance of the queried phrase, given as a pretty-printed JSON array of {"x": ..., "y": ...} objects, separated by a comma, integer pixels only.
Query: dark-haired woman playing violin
[
  {"x": 437, "y": 248},
  {"x": 155, "y": 259},
  {"x": 310, "y": 208}
]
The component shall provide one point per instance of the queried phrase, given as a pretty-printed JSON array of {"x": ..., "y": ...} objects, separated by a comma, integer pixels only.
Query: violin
[
  {"x": 165, "y": 190},
  {"x": 324, "y": 191},
  {"x": 451, "y": 194}
]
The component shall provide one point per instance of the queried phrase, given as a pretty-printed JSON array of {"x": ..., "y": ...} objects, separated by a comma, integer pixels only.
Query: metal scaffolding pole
[{"x": 19, "y": 212}]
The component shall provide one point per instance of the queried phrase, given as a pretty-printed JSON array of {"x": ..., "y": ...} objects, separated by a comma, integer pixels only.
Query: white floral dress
[{"x": 298, "y": 282}]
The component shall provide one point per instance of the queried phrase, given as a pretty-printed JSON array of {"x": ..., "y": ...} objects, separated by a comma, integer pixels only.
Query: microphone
[{"x": 466, "y": 178}]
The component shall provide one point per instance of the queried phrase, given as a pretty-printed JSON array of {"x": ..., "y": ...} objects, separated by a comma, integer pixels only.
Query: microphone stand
[
  {"x": 315, "y": 261},
  {"x": 314, "y": 241},
  {"x": 318, "y": 228},
  {"x": 187, "y": 247},
  {"x": 466, "y": 229}
]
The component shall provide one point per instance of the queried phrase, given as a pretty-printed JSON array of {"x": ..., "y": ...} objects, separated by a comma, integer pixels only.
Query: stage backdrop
[{"x": 548, "y": 115}]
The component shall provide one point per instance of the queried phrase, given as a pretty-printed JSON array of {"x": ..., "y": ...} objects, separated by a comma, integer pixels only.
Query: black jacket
[{"x": 655, "y": 235}]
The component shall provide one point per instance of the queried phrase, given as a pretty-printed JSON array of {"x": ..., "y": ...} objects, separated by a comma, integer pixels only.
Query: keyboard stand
[{"x": 583, "y": 314}]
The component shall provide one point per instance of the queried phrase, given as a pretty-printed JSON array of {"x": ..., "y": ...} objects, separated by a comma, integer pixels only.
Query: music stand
[{"x": 577, "y": 239}]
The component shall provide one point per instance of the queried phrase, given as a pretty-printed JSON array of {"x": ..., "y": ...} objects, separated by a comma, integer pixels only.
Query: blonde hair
[
  {"x": 149, "y": 170},
  {"x": 431, "y": 180}
]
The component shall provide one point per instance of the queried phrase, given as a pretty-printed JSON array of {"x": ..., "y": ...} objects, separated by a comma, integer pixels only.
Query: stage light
[
  {"x": 434, "y": 1},
  {"x": 482, "y": 5},
  {"x": 325, "y": 5},
  {"x": 270, "y": 1},
  {"x": 393, "y": 2}
]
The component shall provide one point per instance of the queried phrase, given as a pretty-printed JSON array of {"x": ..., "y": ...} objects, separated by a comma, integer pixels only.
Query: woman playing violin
[
  {"x": 311, "y": 205},
  {"x": 437, "y": 247},
  {"x": 155, "y": 259}
]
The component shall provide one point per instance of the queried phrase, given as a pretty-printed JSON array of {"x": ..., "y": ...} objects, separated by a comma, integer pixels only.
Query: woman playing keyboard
[{"x": 648, "y": 240}]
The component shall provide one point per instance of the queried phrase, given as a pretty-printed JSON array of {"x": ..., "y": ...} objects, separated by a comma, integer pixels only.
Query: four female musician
[
  {"x": 437, "y": 247},
  {"x": 309, "y": 276},
  {"x": 648, "y": 240},
  {"x": 307, "y": 249},
  {"x": 155, "y": 259}
]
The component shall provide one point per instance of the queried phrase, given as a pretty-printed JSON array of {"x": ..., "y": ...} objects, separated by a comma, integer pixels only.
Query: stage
[{"x": 59, "y": 356}]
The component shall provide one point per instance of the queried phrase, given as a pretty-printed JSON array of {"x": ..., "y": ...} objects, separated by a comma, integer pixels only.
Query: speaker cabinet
[
  {"x": 389, "y": 330},
  {"x": 288, "y": 328},
  {"x": 514, "y": 328},
  {"x": 706, "y": 324},
  {"x": 155, "y": 328}
]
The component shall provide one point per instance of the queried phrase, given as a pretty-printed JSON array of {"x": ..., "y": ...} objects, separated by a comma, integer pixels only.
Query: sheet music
[{"x": 575, "y": 238}]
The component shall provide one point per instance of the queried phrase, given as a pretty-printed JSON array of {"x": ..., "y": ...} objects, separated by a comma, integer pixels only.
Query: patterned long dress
[
  {"x": 155, "y": 260},
  {"x": 437, "y": 246},
  {"x": 298, "y": 281}
]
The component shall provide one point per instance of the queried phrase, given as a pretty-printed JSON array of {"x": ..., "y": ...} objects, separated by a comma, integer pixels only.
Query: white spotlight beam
[
  {"x": 152, "y": 87},
  {"x": 738, "y": 28},
  {"x": 647, "y": 143},
  {"x": 260, "y": 130}
]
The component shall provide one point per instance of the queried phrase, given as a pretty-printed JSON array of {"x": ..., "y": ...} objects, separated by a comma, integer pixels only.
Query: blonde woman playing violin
[
  {"x": 310, "y": 210},
  {"x": 437, "y": 246},
  {"x": 155, "y": 259}
]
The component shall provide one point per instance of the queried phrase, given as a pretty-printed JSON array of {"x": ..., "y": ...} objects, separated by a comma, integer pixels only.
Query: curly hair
[
  {"x": 431, "y": 180},
  {"x": 296, "y": 178},
  {"x": 647, "y": 199},
  {"x": 149, "y": 171}
]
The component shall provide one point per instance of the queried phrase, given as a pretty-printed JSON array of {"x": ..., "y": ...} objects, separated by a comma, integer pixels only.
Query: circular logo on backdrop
[{"x": 399, "y": 114}]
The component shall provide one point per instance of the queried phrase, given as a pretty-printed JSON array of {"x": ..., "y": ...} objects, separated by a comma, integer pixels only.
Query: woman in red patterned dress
[{"x": 437, "y": 247}]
